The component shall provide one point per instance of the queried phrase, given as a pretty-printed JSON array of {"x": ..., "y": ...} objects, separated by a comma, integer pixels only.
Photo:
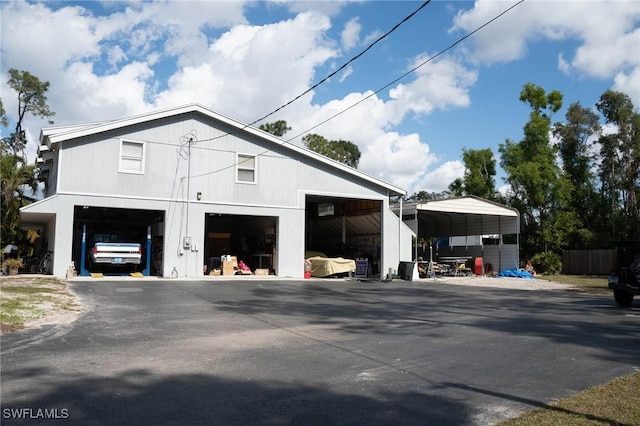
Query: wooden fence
[{"x": 588, "y": 262}]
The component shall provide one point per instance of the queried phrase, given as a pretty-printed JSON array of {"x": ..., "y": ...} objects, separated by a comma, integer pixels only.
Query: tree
[
  {"x": 32, "y": 100},
  {"x": 277, "y": 128},
  {"x": 479, "y": 174},
  {"x": 16, "y": 174},
  {"x": 424, "y": 196},
  {"x": 577, "y": 164},
  {"x": 343, "y": 151},
  {"x": 538, "y": 187},
  {"x": 4, "y": 121},
  {"x": 620, "y": 166}
]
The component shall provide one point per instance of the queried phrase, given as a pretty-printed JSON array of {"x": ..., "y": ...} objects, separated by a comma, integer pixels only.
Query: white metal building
[
  {"x": 191, "y": 185},
  {"x": 469, "y": 216}
]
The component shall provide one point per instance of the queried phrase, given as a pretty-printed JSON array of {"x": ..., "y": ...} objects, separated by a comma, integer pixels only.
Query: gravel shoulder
[{"x": 502, "y": 282}]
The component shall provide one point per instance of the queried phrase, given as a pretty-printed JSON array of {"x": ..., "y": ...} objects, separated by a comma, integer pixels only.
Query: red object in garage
[
  {"x": 307, "y": 269},
  {"x": 478, "y": 266}
]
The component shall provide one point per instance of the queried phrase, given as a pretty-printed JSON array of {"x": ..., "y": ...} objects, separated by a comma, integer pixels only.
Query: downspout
[
  {"x": 466, "y": 238},
  {"x": 482, "y": 241},
  {"x": 400, "y": 233},
  {"x": 518, "y": 236},
  {"x": 344, "y": 227},
  {"x": 500, "y": 243},
  {"x": 415, "y": 252}
]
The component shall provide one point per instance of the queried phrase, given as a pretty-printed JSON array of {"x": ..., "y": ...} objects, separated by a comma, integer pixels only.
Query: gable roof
[
  {"x": 459, "y": 216},
  {"x": 469, "y": 204},
  {"x": 55, "y": 135}
]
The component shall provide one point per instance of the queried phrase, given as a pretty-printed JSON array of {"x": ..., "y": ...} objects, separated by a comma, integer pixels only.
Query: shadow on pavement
[{"x": 138, "y": 397}]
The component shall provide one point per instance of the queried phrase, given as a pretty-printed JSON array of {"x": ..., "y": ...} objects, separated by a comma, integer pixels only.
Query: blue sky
[{"x": 109, "y": 60}]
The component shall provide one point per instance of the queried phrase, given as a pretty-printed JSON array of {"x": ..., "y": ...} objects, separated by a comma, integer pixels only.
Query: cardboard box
[
  {"x": 227, "y": 268},
  {"x": 262, "y": 272},
  {"x": 215, "y": 272}
]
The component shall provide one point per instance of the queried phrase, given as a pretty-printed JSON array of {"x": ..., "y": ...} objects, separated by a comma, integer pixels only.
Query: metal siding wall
[
  {"x": 90, "y": 170},
  {"x": 87, "y": 165},
  {"x": 391, "y": 251},
  {"x": 91, "y": 166},
  {"x": 491, "y": 254},
  {"x": 61, "y": 238},
  {"x": 509, "y": 257},
  {"x": 290, "y": 239},
  {"x": 314, "y": 179},
  {"x": 52, "y": 183}
]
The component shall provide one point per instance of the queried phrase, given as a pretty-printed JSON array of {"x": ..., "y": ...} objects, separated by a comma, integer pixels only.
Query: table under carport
[{"x": 464, "y": 217}]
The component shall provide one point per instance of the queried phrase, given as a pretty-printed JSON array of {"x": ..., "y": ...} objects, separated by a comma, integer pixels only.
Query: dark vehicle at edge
[{"x": 625, "y": 279}]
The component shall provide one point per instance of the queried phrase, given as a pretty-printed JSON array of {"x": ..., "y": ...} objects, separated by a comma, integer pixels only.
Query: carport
[{"x": 468, "y": 216}]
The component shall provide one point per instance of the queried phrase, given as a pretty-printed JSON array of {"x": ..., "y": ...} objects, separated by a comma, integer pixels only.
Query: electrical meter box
[{"x": 186, "y": 243}]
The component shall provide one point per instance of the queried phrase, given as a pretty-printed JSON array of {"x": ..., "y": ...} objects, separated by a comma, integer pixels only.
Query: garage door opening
[
  {"x": 101, "y": 225},
  {"x": 248, "y": 238},
  {"x": 348, "y": 228}
]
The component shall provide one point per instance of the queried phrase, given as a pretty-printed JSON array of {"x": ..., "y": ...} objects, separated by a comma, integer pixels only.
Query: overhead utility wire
[
  {"x": 412, "y": 70},
  {"x": 382, "y": 37},
  {"x": 406, "y": 73},
  {"x": 379, "y": 39}
]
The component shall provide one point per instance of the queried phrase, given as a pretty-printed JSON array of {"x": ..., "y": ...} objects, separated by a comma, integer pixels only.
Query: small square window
[
  {"x": 246, "y": 168},
  {"x": 132, "y": 157}
]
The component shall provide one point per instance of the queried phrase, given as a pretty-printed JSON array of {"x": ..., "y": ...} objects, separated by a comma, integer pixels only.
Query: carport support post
[
  {"x": 147, "y": 270},
  {"x": 83, "y": 252}
]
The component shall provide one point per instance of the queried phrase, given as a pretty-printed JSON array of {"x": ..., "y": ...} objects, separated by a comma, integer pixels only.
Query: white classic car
[{"x": 109, "y": 249}]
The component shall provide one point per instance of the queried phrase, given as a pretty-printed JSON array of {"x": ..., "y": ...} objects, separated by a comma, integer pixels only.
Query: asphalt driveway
[{"x": 313, "y": 352}]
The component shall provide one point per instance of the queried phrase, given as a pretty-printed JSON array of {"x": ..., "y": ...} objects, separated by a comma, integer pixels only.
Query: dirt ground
[
  {"x": 501, "y": 282},
  {"x": 57, "y": 305}
]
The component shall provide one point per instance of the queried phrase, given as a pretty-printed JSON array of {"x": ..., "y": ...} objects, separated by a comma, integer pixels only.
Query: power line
[
  {"x": 382, "y": 37},
  {"x": 379, "y": 39},
  {"x": 412, "y": 70}
]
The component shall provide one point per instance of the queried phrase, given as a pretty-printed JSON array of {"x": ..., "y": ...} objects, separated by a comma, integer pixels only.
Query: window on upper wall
[
  {"x": 246, "y": 168},
  {"x": 132, "y": 157}
]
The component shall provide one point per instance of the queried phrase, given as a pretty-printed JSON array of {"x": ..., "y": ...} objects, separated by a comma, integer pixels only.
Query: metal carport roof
[{"x": 460, "y": 216}]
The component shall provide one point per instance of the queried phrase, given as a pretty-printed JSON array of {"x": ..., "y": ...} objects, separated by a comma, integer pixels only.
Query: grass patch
[
  {"x": 17, "y": 311},
  {"x": 587, "y": 283},
  {"x": 614, "y": 403},
  {"x": 27, "y": 290},
  {"x": 25, "y": 298}
]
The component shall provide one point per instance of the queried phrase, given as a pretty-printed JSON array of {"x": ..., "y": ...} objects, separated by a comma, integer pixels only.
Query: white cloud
[
  {"x": 115, "y": 55},
  {"x": 345, "y": 73},
  {"x": 328, "y": 8},
  {"x": 563, "y": 65},
  {"x": 388, "y": 155},
  {"x": 442, "y": 84},
  {"x": 629, "y": 83},
  {"x": 32, "y": 38},
  {"x": 242, "y": 73},
  {"x": 505, "y": 40},
  {"x": 351, "y": 34},
  {"x": 607, "y": 34},
  {"x": 439, "y": 179}
]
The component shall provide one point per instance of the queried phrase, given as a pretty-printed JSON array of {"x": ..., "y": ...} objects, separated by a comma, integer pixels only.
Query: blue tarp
[{"x": 514, "y": 273}]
